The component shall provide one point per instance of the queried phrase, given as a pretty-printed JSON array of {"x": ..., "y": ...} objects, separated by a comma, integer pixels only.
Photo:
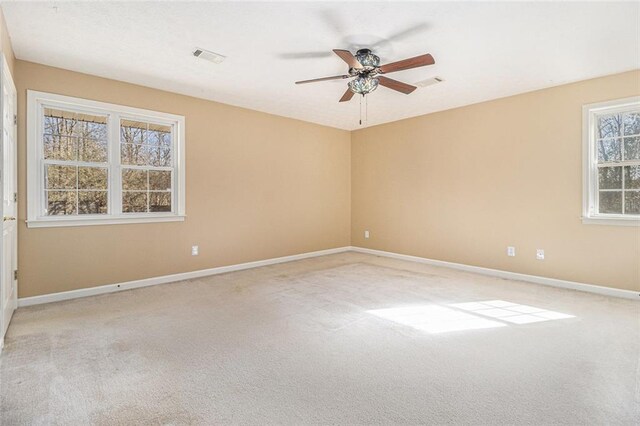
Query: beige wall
[
  {"x": 258, "y": 186},
  {"x": 461, "y": 185},
  {"x": 5, "y": 44}
]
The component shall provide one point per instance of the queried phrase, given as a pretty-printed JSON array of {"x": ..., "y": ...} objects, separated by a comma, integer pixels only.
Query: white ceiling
[{"x": 483, "y": 50}]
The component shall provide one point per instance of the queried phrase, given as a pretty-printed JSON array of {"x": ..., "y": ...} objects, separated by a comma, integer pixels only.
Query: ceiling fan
[{"x": 366, "y": 71}]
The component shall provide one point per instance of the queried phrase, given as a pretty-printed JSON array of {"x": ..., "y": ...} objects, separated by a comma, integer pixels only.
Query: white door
[{"x": 9, "y": 244}]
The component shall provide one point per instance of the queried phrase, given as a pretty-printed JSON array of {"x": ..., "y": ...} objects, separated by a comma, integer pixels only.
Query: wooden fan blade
[
  {"x": 396, "y": 85},
  {"x": 406, "y": 64},
  {"x": 346, "y": 56},
  {"x": 347, "y": 96},
  {"x": 335, "y": 77}
]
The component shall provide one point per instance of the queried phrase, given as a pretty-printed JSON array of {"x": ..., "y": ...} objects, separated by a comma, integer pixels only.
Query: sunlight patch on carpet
[
  {"x": 466, "y": 316},
  {"x": 510, "y": 312},
  {"x": 435, "y": 319}
]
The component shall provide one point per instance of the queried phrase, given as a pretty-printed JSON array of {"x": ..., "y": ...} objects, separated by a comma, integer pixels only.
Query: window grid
[
  {"x": 77, "y": 188},
  {"x": 621, "y": 164},
  {"x": 60, "y": 129},
  {"x": 127, "y": 128}
]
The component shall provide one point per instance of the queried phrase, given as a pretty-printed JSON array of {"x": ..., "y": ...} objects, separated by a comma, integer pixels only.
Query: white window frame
[
  {"x": 37, "y": 101},
  {"x": 590, "y": 112}
]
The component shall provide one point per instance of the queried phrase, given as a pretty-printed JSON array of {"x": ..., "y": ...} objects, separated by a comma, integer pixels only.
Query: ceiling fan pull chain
[
  {"x": 366, "y": 110},
  {"x": 361, "y": 109}
]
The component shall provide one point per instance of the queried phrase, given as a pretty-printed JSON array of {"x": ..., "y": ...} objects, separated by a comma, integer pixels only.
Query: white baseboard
[
  {"x": 110, "y": 288},
  {"x": 607, "y": 291},
  {"x": 128, "y": 285}
]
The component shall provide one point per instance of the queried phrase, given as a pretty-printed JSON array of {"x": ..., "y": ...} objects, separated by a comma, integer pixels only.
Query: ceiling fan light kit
[{"x": 363, "y": 85}]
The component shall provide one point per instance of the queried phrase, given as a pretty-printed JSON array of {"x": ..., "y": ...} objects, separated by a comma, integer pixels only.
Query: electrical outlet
[
  {"x": 194, "y": 250},
  {"x": 540, "y": 254},
  {"x": 511, "y": 251},
  {"x": 366, "y": 234}
]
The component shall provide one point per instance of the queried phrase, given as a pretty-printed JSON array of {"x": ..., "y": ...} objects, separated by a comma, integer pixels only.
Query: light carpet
[{"x": 341, "y": 339}]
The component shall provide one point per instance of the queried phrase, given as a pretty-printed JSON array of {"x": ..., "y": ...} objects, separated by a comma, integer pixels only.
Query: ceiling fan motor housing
[{"x": 367, "y": 59}]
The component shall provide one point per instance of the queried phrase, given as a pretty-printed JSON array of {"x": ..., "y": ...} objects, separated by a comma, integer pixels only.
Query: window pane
[
  {"x": 75, "y": 124},
  {"x": 52, "y": 125},
  {"x": 89, "y": 126},
  {"x": 92, "y": 150},
  {"x": 61, "y": 202},
  {"x": 610, "y": 201},
  {"x": 632, "y": 123},
  {"x": 160, "y": 202},
  {"x": 145, "y": 144},
  {"x": 133, "y": 202},
  {"x": 60, "y": 148},
  {"x": 158, "y": 135},
  {"x": 609, "y": 126},
  {"x": 60, "y": 177},
  {"x": 134, "y": 155},
  {"x": 632, "y": 177},
  {"x": 632, "y": 202},
  {"x": 159, "y": 180},
  {"x": 134, "y": 179},
  {"x": 96, "y": 130},
  {"x": 92, "y": 202},
  {"x": 164, "y": 136},
  {"x": 609, "y": 150},
  {"x": 610, "y": 177},
  {"x": 160, "y": 156},
  {"x": 92, "y": 178},
  {"x": 61, "y": 122},
  {"x": 632, "y": 148},
  {"x": 145, "y": 155},
  {"x": 132, "y": 131}
]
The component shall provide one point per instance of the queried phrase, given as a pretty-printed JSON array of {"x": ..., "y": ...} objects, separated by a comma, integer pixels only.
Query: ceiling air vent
[{"x": 209, "y": 56}]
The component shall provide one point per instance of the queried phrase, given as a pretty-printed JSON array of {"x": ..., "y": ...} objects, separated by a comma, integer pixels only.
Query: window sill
[
  {"x": 614, "y": 221},
  {"x": 93, "y": 221}
]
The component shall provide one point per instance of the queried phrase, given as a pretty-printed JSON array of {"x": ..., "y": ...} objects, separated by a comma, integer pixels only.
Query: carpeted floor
[{"x": 341, "y": 339}]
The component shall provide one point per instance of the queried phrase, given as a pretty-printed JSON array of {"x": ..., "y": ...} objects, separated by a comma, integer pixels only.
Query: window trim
[
  {"x": 589, "y": 163},
  {"x": 36, "y": 101}
]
